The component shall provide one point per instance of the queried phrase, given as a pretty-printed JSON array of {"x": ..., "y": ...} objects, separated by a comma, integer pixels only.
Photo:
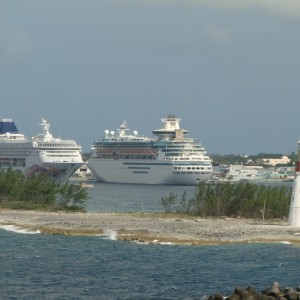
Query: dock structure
[{"x": 294, "y": 215}]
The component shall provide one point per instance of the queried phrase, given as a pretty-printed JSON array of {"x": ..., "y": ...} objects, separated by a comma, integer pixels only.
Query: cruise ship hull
[
  {"x": 144, "y": 172},
  {"x": 43, "y": 154},
  {"x": 59, "y": 172},
  {"x": 31, "y": 162}
]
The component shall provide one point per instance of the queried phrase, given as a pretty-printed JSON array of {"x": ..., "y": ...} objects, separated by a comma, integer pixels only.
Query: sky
[{"x": 229, "y": 69}]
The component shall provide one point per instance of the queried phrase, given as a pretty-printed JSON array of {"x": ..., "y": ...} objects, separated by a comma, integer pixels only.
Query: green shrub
[
  {"x": 243, "y": 199},
  {"x": 38, "y": 192},
  {"x": 168, "y": 202}
]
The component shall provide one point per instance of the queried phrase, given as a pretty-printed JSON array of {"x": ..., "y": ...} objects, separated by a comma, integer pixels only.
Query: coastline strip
[{"x": 151, "y": 228}]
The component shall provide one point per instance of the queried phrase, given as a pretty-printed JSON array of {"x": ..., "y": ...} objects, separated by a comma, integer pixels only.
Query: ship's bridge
[{"x": 171, "y": 129}]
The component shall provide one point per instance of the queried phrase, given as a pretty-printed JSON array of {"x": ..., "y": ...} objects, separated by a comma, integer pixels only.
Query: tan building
[{"x": 284, "y": 160}]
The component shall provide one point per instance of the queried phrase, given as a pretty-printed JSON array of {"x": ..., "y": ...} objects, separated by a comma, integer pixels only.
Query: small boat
[
  {"x": 86, "y": 185},
  {"x": 235, "y": 173}
]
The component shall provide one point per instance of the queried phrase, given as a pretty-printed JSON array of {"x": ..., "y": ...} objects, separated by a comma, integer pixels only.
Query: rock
[
  {"x": 233, "y": 297},
  {"x": 216, "y": 296},
  {"x": 292, "y": 296},
  {"x": 253, "y": 293},
  {"x": 266, "y": 297},
  {"x": 288, "y": 289},
  {"x": 219, "y": 296},
  {"x": 272, "y": 293},
  {"x": 246, "y": 294},
  {"x": 275, "y": 290},
  {"x": 238, "y": 290}
]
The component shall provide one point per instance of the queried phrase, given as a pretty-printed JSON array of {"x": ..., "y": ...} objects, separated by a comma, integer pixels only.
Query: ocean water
[
  {"x": 36, "y": 266},
  {"x": 109, "y": 197}
]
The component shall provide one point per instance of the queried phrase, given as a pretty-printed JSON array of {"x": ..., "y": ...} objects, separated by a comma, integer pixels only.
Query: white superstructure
[
  {"x": 171, "y": 158},
  {"x": 41, "y": 154}
]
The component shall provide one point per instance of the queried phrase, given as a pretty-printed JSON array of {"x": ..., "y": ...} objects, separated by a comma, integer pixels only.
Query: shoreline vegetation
[
  {"x": 38, "y": 192},
  {"x": 217, "y": 214},
  {"x": 242, "y": 199}
]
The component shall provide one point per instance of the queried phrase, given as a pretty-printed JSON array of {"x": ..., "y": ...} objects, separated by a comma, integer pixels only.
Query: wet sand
[{"x": 153, "y": 227}]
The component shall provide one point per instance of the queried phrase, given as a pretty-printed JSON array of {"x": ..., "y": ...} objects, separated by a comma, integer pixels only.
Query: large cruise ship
[
  {"x": 169, "y": 158},
  {"x": 41, "y": 154}
]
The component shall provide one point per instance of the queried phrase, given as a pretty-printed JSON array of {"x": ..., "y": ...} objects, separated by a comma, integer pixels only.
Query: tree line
[
  {"x": 38, "y": 192},
  {"x": 243, "y": 199}
]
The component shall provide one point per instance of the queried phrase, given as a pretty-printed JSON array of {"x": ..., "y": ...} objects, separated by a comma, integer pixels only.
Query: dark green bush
[
  {"x": 241, "y": 199},
  {"x": 38, "y": 192}
]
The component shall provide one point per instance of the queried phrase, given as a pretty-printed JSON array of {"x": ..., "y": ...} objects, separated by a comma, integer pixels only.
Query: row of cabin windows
[
  {"x": 184, "y": 157},
  {"x": 12, "y": 162},
  {"x": 183, "y": 153},
  {"x": 189, "y": 168},
  {"x": 126, "y": 157},
  {"x": 190, "y": 172},
  {"x": 181, "y": 158},
  {"x": 60, "y": 155}
]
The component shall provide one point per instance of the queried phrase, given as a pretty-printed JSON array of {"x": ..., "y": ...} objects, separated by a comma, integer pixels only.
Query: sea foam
[
  {"x": 18, "y": 230},
  {"x": 110, "y": 234}
]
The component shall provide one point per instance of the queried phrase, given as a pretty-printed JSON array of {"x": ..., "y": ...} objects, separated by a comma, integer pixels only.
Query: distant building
[{"x": 284, "y": 160}]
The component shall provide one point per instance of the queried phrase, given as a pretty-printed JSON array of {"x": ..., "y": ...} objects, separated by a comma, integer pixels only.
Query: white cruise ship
[
  {"x": 43, "y": 153},
  {"x": 170, "y": 158}
]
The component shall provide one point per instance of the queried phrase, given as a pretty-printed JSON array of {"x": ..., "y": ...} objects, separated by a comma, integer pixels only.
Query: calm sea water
[
  {"x": 108, "y": 197},
  {"x": 35, "y": 266}
]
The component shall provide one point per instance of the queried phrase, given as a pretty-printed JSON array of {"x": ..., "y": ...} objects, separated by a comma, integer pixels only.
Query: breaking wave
[
  {"x": 18, "y": 230},
  {"x": 110, "y": 234}
]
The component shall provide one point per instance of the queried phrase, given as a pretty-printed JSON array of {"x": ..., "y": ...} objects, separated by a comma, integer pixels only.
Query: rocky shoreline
[
  {"x": 152, "y": 227},
  {"x": 275, "y": 292}
]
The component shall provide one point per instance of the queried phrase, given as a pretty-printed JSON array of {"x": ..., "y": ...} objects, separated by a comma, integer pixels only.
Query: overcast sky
[{"x": 230, "y": 69}]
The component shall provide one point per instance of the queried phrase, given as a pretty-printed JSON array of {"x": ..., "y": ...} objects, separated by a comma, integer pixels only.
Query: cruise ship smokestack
[{"x": 294, "y": 215}]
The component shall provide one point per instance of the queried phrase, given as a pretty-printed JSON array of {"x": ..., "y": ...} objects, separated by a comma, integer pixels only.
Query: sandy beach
[{"x": 152, "y": 227}]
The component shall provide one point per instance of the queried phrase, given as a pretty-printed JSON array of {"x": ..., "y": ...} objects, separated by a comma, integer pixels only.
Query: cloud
[
  {"x": 289, "y": 9},
  {"x": 282, "y": 8},
  {"x": 14, "y": 45},
  {"x": 222, "y": 35},
  {"x": 220, "y": 40}
]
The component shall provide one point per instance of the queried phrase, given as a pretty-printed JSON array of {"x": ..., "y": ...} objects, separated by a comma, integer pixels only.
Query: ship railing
[
  {"x": 184, "y": 140},
  {"x": 65, "y": 145},
  {"x": 192, "y": 140}
]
